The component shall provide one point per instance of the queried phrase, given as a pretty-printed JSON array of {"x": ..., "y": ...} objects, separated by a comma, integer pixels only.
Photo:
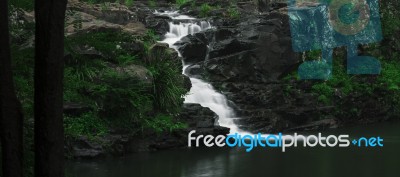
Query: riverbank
[
  {"x": 123, "y": 89},
  {"x": 236, "y": 162}
]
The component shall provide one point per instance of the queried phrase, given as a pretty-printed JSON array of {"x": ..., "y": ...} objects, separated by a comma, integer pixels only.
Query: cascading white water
[{"x": 201, "y": 92}]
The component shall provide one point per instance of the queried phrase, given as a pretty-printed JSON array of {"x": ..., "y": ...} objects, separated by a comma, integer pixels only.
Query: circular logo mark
[{"x": 340, "y": 9}]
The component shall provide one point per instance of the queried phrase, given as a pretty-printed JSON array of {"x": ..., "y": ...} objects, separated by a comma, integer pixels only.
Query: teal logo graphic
[
  {"x": 326, "y": 24},
  {"x": 251, "y": 141},
  {"x": 368, "y": 142}
]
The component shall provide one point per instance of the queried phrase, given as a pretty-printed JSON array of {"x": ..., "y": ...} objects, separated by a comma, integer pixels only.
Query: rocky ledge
[
  {"x": 117, "y": 143},
  {"x": 248, "y": 58}
]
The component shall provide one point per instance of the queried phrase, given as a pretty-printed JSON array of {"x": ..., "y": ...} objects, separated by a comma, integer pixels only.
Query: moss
[
  {"x": 88, "y": 125},
  {"x": 324, "y": 92},
  {"x": 390, "y": 76}
]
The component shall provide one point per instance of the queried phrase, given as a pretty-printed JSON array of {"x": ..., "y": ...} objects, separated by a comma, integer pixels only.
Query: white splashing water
[{"x": 201, "y": 92}]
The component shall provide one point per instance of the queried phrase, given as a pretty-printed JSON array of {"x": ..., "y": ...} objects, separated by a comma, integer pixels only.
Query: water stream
[
  {"x": 236, "y": 162},
  {"x": 201, "y": 92}
]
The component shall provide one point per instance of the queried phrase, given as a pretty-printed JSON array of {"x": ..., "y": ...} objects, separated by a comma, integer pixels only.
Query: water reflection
[{"x": 226, "y": 162}]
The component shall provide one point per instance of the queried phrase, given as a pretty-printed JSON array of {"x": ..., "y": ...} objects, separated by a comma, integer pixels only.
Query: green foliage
[
  {"x": 119, "y": 96},
  {"x": 129, "y": 3},
  {"x": 118, "y": 100},
  {"x": 313, "y": 55},
  {"x": 105, "y": 6},
  {"x": 340, "y": 79},
  {"x": 126, "y": 60},
  {"x": 388, "y": 83},
  {"x": 24, "y": 4},
  {"x": 91, "y": 1},
  {"x": 168, "y": 87},
  {"x": 151, "y": 36},
  {"x": 233, "y": 12},
  {"x": 149, "y": 39},
  {"x": 76, "y": 23},
  {"x": 179, "y": 3},
  {"x": 152, "y": 3},
  {"x": 84, "y": 68},
  {"x": 75, "y": 85},
  {"x": 20, "y": 31},
  {"x": 23, "y": 71},
  {"x": 205, "y": 9},
  {"x": 324, "y": 99},
  {"x": 324, "y": 91},
  {"x": 88, "y": 125},
  {"x": 390, "y": 17},
  {"x": 193, "y": 4},
  {"x": 390, "y": 76},
  {"x": 288, "y": 88},
  {"x": 162, "y": 122},
  {"x": 116, "y": 95},
  {"x": 107, "y": 42}
]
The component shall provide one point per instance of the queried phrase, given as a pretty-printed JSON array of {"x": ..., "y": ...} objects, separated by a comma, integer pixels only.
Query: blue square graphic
[{"x": 326, "y": 24}]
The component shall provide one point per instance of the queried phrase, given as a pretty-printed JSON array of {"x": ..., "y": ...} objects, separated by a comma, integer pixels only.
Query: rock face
[
  {"x": 247, "y": 59},
  {"x": 157, "y": 23},
  {"x": 198, "y": 118},
  {"x": 84, "y": 18},
  {"x": 75, "y": 109},
  {"x": 136, "y": 71},
  {"x": 202, "y": 120},
  {"x": 257, "y": 49},
  {"x": 84, "y": 148},
  {"x": 193, "y": 49}
]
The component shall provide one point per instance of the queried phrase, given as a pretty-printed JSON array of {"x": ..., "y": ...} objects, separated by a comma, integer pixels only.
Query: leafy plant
[
  {"x": 179, "y": 3},
  {"x": 152, "y": 3},
  {"x": 150, "y": 38},
  {"x": 129, "y": 3},
  {"x": 88, "y": 124},
  {"x": 126, "y": 59},
  {"x": 168, "y": 83},
  {"x": 105, "y": 6},
  {"x": 193, "y": 4},
  {"x": 205, "y": 9},
  {"x": 162, "y": 122},
  {"x": 119, "y": 96},
  {"x": 106, "y": 43},
  {"x": 390, "y": 76},
  {"x": 233, "y": 13},
  {"x": 323, "y": 89}
]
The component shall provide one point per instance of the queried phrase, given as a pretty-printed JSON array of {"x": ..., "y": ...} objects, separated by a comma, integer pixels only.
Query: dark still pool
[{"x": 236, "y": 162}]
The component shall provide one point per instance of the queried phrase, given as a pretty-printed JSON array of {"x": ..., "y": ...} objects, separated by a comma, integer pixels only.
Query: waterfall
[{"x": 201, "y": 92}]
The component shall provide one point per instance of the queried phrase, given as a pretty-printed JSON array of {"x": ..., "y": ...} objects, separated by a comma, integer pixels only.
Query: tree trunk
[
  {"x": 49, "y": 68},
  {"x": 10, "y": 107}
]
